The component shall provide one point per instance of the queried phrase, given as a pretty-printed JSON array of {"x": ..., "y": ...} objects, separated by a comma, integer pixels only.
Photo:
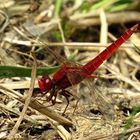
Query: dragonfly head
[{"x": 45, "y": 84}]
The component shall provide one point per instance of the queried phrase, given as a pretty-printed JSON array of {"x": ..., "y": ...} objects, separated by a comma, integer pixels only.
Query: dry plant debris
[{"x": 78, "y": 31}]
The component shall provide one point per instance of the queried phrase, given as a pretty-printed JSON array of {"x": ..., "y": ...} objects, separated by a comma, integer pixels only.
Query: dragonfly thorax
[{"x": 45, "y": 84}]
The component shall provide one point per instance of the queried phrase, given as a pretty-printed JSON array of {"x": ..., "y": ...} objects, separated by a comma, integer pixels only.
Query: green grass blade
[
  {"x": 57, "y": 9},
  {"x": 103, "y": 4},
  {"x": 15, "y": 71}
]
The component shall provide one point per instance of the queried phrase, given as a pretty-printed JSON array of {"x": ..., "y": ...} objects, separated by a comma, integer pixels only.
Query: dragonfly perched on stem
[{"x": 71, "y": 74}]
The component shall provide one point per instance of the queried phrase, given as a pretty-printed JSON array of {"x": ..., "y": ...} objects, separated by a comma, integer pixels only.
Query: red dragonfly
[{"x": 70, "y": 74}]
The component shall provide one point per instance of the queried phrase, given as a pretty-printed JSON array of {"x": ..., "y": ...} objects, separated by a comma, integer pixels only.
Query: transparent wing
[
  {"x": 61, "y": 60},
  {"x": 103, "y": 103}
]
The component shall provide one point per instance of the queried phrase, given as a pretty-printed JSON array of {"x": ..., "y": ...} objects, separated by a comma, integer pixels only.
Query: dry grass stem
[
  {"x": 112, "y": 18},
  {"x": 71, "y": 45},
  {"x": 104, "y": 28},
  {"x": 27, "y": 102},
  {"x": 36, "y": 105},
  {"x": 19, "y": 85}
]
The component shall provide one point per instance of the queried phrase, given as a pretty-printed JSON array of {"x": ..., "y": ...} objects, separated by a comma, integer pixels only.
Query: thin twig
[
  {"x": 71, "y": 45},
  {"x": 6, "y": 22},
  {"x": 65, "y": 135},
  {"x": 66, "y": 49},
  {"x": 120, "y": 76},
  {"x": 27, "y": 102},
  {"x": 104, "y": 28},
  {"x": 37, "y": 106},
  {"x": 19, "y": 84},
  {"x": 92, "y": 18}
]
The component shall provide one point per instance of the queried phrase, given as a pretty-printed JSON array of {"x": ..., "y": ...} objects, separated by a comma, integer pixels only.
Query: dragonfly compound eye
[{"x": 45, "y": 84}]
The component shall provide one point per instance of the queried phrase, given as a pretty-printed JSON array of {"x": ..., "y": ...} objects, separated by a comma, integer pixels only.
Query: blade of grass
[
  {"x": 57, "y": 9},
  {"x": 103, "y": 4},
  {"x": 15, "y": 71},
  {"x": 123, "y": 5},
  {"x": 130, "y": 121},
  {"x": 137, "y": 47},
  {"x": 118, "y": 7}
]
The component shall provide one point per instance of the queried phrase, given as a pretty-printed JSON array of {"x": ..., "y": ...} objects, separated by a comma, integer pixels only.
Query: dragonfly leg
[
  {"x": 67, "y": 99},
  {"x": 66, "y": 94},
  {"x": 54, "y": 99},
  {"x": 52, "y": 93}
]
